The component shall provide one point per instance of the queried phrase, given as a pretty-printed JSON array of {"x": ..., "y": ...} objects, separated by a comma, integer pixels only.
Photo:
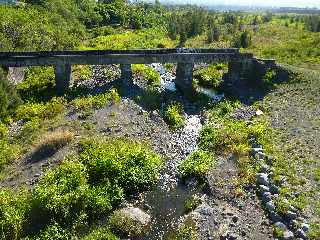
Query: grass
[
  {"x": 53, "y": 141},
  {"x": 196, "y": 165},
  {"x": 186, "y": 231},
  {"x": 95, "y": 102},
  {"x": 192, "y": 203},
  {"x": 211, "y": 76},
  {"x": 173, "y": 115}
]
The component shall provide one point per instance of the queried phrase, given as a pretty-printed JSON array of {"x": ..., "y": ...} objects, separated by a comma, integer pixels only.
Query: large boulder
[{"x": 130, "y": 222}]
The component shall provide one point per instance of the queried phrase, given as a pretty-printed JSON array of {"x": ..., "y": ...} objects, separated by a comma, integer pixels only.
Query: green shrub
[
  {"x": 54, "y": 231},
  {"x": 102, "y": 233},
  {"x": 39, "y": 84},
  {"x": 269, "y": 77},
  {"x": 196, "y": 165},
  {"x": 97, "y": 101},
  {"x": 81, "y": 72},
  {"x": 64, "y": 195},
  {"x": 148, "y": 73},
  {"x": 121, "y": 161},
  {"x": 186, "y": 231},
  {"x": 48, "y": 110},
  {"x": 14, "y": 208},
  {"x": 210, "y": 77},
  {"x": 174, "y": 115},
  {"x": 192, "y": 203},
  {"x": 8, "y": 152}
]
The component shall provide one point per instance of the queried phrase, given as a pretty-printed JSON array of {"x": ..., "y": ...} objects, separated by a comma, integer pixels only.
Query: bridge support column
[
  {"x": 126, "y": 75},
  {"x": 184, "y": 77},
  {"x": 63, "y": 78}
]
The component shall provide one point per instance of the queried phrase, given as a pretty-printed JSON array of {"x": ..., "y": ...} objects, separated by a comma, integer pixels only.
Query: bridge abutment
[
  {"x": 62, "y": 77},
  {"x": 184, "y": 77},
  {"x": 126, "y": 75}
]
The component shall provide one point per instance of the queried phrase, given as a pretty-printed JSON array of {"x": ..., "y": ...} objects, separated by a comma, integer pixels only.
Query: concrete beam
[{"x": 63, "y": 78}]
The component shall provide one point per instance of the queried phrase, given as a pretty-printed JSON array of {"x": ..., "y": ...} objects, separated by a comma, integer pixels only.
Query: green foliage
[
  {"x": 8, "y": 152},
  {"x": 186, "y": 231},
  {"x": 269, "y": 77},
  {"x": 97, "y": 101},
  {"x": 54, "y": 231},
  {"x": 192, "y": 203},
  {"x": 46, "y": 110},
  {"x": 148, "y": 73},
  {"x": 39, "y": 84},
  {"x": 122, "y": 162},
  {"x": 197, "y": 164},
  {"x": 64, "y": 195},
  {"x": 173, "y": 115},
  {"x": 243, "y": 40},
  {"x": 81, "y": 72},
  {"x": 102, "y": 233},
  {"x": 13, "y": 213},
  {"x": 210, "y": 77},
  {"x": 146, "y": 38},
  {"x": 9, "y": 99}
]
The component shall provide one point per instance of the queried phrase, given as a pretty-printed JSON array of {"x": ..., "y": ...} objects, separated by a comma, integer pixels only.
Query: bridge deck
[{"x": 20, "y": 59}]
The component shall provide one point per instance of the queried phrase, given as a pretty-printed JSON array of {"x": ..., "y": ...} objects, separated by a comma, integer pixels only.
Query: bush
[
  {"x": 102, "y": 233},
  {"x": 47, "y": 110},
  {"x": 210, "y": 77},
  {"x": 8, "y": 152},
  {"x": 64, "y": 195},
  {"x": 148, "y": 73},
  {"x": 54, "y": 231},
  {"x": 269, "y": 78},
  {"x": 173, "y": 115},
  {"x": 196, "y": 165},
  {"x": 39, "y": 84},
  {"x": 242, "y": 40},
  {"x": 97, "y": 101},
  {"x": 14, "y": 209},
  {"x": 121, "y": 161}
]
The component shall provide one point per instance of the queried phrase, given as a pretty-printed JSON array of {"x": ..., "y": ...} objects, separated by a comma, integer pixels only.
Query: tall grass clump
[{"x": 173, "y": 115}]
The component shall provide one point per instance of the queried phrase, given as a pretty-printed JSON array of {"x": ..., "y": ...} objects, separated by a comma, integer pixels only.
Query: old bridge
[{"x": 241, "y": 65}]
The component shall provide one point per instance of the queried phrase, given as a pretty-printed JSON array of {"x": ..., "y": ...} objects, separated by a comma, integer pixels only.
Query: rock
[
  {"x": 269, "y": 160},
  {"x": 301, "y": 234},
  {"x": 288, "y": 235},
  {"x": 263, "y": 188},
  {"x": 204, "y": 209},
  {"x": 235, "y": 219},
  {"x": 256, "y": 150},
  {"x": 274, "y": 189},
  {"x": 264, "y": 168},
  {"x": 274, "y": 217},
  {"x": 270, "y": 206},
  {"x": 262, "y": 178},
  {"x": 305, "y": 227},
  {"x": 280, "y": 225},
  {"x": 266, "y": 197},
  {"x": 259, "y": 113},
  {"x": 291, "y": 215}
]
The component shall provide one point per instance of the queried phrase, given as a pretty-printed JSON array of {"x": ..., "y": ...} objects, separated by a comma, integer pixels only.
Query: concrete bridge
[{"x": 241, "y": 65}]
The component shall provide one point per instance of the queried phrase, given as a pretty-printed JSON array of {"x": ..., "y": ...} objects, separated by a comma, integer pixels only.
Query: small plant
[
  {"x": 47, "y": 110},
  {"x": 149, "y": 74},
  {"x": 269, "y": 77},
  {"x": 210, "y": 77},
  {"x": 187, "y": 231},
  {"x": 97, "y": 101},
  {"x": 81, "y": 72},
  {"x": 174, "y": 115},
  {"x": 196, "y": 165},
  {"x": 101, "y": 233},
  {"x": 14, "y": 208},
  {"x": 53, "y": 141},
  {"x": 192, "y": 203},
  {"x": 54, "y": 231},
  {"x": 278, "y": 232},
  {"x": 8, "y": 152}
]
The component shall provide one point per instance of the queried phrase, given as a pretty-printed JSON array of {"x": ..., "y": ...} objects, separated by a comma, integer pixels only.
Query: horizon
[{"x": 248, "y": 3}]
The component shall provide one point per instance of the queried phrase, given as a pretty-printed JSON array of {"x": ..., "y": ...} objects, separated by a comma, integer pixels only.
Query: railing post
[
  {"x": 63, "y": 78},
  {"x": 126, "y": 74},
  {"x": 184, "y": 77}
]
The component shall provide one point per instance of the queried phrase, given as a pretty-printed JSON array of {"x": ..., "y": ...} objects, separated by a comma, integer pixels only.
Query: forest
[{"x": 83, "y": 165}]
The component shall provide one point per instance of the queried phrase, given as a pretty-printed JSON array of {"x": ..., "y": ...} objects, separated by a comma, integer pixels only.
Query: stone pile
[{"x": 290, "y": 223}]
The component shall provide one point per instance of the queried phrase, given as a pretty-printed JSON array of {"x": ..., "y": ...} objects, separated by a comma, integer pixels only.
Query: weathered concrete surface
[
  {"x": 63, "y": 77},
  {"x": 184, "y": 77},
  {"x": 126, "y": 75}
]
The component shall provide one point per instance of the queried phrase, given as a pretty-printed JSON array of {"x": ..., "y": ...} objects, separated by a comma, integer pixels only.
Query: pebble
[
  {"x": 263, "y": 188},
  {"x": 274, "y": 217},
  {"x": 274, "y": 189},
  {"x": 256, "y": 150},
  {"x": 264, "y": 168},
  {"x": 301, "y": 233},
  {"x": 266, "y": 197},
  {"x": 280, "y": 225},
  {"x": 305, "y": 227},
  {"x": 291, "y": 215}
]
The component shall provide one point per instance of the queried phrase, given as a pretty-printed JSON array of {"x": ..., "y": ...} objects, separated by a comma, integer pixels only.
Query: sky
[{"x": 269, "y": 3}]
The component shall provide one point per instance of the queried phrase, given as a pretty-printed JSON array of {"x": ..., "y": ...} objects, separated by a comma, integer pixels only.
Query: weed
[
  {"x": 173, "y": 115},
  {"x": 148, "y": 73},
  {"x": 101, "y": 233},
  {"x": 210, "y": 77},
  {"x": 187, "y": 231},
  {"x": 197, "y": 164},
  {"x": 192, "y": 203}
]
